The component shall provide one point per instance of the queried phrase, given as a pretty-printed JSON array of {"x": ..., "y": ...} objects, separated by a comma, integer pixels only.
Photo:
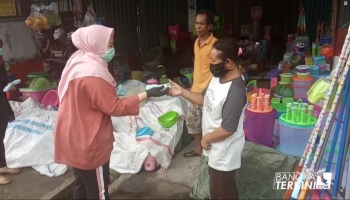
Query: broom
[
  {"x": 303, "y": 193},
  {"x": 310, "y": 144}
]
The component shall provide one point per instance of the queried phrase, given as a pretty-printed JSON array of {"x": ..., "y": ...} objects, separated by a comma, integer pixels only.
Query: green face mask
[
  {"x": 109, "y": 55},
  {"x": 0, "y": 51}
]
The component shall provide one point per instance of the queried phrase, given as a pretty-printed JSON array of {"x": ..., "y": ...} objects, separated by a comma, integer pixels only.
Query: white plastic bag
[
  {"x": 127, "y": 155},
  {"x": 90, "y": 17},
  {"x": 19, "y": 107},
  {"x": 29, "y": 142}
]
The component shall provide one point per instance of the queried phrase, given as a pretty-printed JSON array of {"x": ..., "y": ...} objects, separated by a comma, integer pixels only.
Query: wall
[
  {"x": 19, "y": 41},
  {"x": 191, "y": 14},
  {"x": 238, "y": 12}
]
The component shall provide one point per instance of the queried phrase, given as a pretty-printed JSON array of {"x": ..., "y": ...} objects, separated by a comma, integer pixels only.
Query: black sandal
[{"x": 192, "y": 154}]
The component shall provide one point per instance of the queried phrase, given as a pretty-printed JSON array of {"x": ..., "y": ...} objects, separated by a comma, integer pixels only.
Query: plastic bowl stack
[{"x": 303, "y": 71}]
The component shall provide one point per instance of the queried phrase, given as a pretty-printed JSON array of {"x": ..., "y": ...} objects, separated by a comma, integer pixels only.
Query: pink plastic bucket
[
  {"x": 150, "y": 163},
  {"x": 51, "y": 98}
]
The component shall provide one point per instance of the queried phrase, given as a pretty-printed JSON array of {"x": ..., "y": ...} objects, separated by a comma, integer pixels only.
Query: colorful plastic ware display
[
  {"x": 296, "y": 114},
  {"x": 260, "y": 103},
  {"x": 259, "y": 127},
  {"x": 282, "y": 91},
  {"x": 286, "y": 77}
]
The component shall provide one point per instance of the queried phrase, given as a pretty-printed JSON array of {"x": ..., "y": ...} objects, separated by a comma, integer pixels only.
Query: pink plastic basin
[
  {"x": 37, "y": 96},
  {"x": 51, "y": 98}
]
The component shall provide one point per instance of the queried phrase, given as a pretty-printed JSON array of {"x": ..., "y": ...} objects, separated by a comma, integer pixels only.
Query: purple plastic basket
[
  {"x": 259, "y": 127},
  {"x": 272, "y": 75},
  {"x": 276, "y": 71}
]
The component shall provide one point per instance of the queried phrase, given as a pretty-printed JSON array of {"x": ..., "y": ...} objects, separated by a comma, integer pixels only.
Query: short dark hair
[
  {"x": 229, "y": 50},
  {"x": 210, "y": 16}
]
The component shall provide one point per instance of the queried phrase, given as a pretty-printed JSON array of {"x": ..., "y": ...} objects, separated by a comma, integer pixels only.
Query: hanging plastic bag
[
  {"x": 34, "y": 11},
  {"x": 90, "y": 17},
  {"x": 52, "y": 7},
  {"x": 54, "y": 18}
]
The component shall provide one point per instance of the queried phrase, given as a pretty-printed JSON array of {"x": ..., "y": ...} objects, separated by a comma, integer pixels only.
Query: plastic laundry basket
[
  {"x": 260, "y": 127},
  {"x": 293, "y": 139}
]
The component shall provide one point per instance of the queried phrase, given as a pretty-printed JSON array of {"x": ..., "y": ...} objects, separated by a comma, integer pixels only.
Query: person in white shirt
[{"x": 224, "y": 102}]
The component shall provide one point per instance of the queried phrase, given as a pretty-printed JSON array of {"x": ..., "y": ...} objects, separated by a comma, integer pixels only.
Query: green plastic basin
[{"x": 169, "y": 119}]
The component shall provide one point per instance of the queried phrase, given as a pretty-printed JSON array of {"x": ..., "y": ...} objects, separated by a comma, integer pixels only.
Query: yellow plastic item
[{"x": 319, "y": 90}]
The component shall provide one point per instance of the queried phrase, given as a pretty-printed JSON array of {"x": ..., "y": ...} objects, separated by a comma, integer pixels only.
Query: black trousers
[
  {"x": 3, "y": 125},
  {"x": 91, "y": 184},
  {"x": 223, "y": 184}
]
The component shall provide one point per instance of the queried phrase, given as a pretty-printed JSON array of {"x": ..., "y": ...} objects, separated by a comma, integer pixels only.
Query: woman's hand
[
  {"x": 157, "y": 92},
  {"x": 175, "y": 90},
  {"x": 205, "y": 144}
]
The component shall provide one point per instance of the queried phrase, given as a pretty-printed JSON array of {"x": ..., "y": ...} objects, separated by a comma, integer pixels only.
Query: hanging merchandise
[
  {"x": 218, "y": 27},
  {"x": 40, "y": 22},
  {"x": 174, "y": 31},
  {"x": 256, "y": 28},
  {"x": 267, "y": 32},
  {"x": 90, "y": 17},
  {"x": 301, "y": 28},
  {"x": 290, "y": 39},
  {"x": 43, "y": 17},
  {"x": 300, "y": 48},
  {"x": 61, "y": 35},
  {"x": 256, "y": 12},
  {"x": 53, "y": 17}
]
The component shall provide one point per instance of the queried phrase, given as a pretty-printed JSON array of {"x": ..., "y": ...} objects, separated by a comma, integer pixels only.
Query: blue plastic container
[
  {"x": 293, "y": 139},
  {"x": 314, "y": 70},
  {"x": 316, "y": 77},
  {"x": 318, "y": 59},
  {"x": 144, "y": 131}
]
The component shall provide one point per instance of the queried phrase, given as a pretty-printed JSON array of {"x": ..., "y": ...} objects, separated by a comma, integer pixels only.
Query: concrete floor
[
  {"x": 174, "y": 183},
  {"x": 29, "y": 184},
  {"x": 146, "y": 186}
]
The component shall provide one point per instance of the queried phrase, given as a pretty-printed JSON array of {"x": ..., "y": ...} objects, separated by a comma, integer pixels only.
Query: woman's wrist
[{"x": 142, "y": 96}]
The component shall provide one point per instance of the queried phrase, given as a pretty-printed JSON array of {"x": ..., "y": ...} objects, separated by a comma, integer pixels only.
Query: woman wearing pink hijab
[{"x": 83, "y": 135}]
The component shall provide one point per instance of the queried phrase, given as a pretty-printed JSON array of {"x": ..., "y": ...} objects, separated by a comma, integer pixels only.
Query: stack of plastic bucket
[
  {"x": 296, "y": 126},
  {"x": 301, "y": 87},
  {"x": 260, "y": 120}
]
